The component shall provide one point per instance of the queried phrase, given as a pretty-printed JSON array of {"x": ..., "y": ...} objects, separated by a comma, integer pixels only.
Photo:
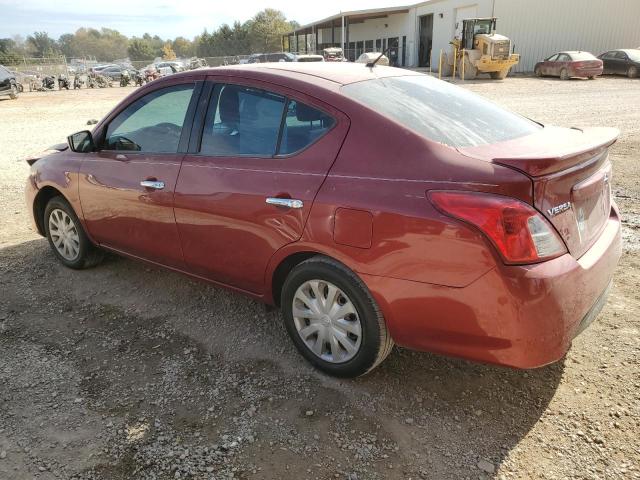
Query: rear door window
[
  {"x": 242, "y": 121},
  {"x": 251, "y": 122}
]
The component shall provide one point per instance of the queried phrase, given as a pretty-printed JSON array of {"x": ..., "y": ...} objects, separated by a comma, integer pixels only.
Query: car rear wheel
[
  {"x": 66, "y": 236},
  {"x": 632, "y": 72},
  {"x": 538, "y": 72},
  {"x": 564, "y": 75},
  {"x": 332, "y": 318}
]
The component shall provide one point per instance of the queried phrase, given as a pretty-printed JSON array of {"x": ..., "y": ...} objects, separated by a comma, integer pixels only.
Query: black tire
[
  {"x": 13, "y": 94},
  {"x": 376, "y": 342},
  {"x": 538, "y": 72},
  {"x": 564, "y": 75},
  {"x": 88, "y": 255},
  {"x": 632, "y": 72}
]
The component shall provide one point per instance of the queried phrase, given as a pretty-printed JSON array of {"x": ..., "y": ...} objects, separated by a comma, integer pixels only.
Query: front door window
[{"x": 151, "y": 124}]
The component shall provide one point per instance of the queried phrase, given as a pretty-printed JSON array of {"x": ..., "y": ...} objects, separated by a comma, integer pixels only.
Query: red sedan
[
  {"x": 570, "y": 64},
  {"x": 375, "y": 206}
]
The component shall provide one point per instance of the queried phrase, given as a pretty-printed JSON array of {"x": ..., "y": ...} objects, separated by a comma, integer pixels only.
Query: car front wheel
[
  {"x": 332, "y": 318},
  {"x": 66, "y": 236}
]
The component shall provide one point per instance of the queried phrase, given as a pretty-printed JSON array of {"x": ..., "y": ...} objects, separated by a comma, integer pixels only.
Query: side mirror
[{"x": 81, "y": 142}]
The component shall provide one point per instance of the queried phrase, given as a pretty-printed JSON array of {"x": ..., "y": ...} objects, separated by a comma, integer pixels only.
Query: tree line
[{"x": 262, "y": 33}]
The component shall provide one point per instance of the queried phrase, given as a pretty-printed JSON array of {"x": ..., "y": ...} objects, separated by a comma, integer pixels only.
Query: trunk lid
[
  {"x": 588, "y": 64},
  {"x": 571, "y": 176}
]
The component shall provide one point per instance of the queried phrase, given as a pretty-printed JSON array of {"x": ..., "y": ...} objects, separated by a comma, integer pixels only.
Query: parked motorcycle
[
  {"x": 125, "y": 78},
  {"x": 95, "y": 80},
  {"x": 49, "y": 82},
  {"x": 77, "y": 81},
  {"x": 63, "y": 82},
  {"x": 138, "y": 79}
]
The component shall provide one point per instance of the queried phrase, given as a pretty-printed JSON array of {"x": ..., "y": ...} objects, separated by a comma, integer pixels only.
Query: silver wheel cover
[
  {"x": 327, "y": 321},
  {"x": 64, "y": 234}
]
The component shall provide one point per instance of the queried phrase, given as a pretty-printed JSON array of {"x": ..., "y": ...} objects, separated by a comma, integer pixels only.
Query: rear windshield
[
  {"x": 633, "y": 55},
  {"x": 582, "y": 56},
  {"x": 439, "y": 111}
]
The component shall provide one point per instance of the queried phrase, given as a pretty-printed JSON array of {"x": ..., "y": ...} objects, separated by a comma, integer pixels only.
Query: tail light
[{"x": 519, "y": 232}]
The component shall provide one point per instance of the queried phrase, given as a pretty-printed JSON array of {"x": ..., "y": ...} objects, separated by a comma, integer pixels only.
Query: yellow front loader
[{"x": 481, "y": 50}]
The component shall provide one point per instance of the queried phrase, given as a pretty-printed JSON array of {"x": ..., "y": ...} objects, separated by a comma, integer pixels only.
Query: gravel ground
[{"x": 126, "y": 371}]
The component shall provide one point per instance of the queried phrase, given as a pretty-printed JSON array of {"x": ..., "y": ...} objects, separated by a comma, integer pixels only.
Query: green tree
[
  {"x": 66, "y": 43},
  {"x": 266, "y": 29},
  {"x": 224, "y": 41},
  {"x": 105, "y": 44},
  {"x": 8, "y": 52},
  {"x": 183, "y": 47},
  {"x": 140, "y": 49},
  {"x": 41, "y": 45},
  {"x": 204, "y": 44},
  {"x": 155, "y": 43}
]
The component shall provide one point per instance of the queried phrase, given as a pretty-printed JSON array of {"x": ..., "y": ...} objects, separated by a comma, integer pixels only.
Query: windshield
[
  {"x": 482, "y": 26},
  {"x": 439, "y": 111}
]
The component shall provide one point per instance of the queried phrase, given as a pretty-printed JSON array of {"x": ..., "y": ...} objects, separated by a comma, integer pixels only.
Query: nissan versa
[{"x": 375, "y": 206}]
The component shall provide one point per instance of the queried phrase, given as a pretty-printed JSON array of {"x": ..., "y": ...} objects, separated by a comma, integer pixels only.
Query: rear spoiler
[{"x": 571, "y": 153}]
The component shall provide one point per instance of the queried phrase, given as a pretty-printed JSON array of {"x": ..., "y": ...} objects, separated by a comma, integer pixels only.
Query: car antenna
[{"x": 373, "y": 64}]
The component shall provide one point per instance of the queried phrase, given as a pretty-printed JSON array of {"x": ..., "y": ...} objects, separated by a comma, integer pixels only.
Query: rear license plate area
[{"x": 591, "y": 201}]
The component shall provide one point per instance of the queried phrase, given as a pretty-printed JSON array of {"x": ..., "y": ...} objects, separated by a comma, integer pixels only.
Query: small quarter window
[{"x": 303, "y": 125}]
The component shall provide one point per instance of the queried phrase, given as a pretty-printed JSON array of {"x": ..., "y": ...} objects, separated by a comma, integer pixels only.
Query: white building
[{"x": 537, "y": 28}]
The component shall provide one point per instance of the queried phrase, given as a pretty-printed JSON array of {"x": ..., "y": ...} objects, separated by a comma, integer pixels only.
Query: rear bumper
[
  {"x": 519, "y": 316},
  {"x": 586, "y": 72}
]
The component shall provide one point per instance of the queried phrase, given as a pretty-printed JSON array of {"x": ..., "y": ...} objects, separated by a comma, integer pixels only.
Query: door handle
[
  {"x": 285, "y": 202},
  {"x": 152, "y": 184}
]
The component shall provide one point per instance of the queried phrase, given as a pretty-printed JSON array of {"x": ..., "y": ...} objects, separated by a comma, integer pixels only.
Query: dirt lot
[{"x": 125, "y": 371}]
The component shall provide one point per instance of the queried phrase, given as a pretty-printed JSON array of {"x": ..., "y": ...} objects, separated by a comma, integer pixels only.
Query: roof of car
[{"x": 338, "y": 72}]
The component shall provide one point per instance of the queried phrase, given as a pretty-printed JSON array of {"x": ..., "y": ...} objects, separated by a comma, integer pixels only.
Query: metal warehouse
[{"x": 536, "y": 28}]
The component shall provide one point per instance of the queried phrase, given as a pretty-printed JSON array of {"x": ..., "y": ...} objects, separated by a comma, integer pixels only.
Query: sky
[{"x": 165, "y": 18}]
